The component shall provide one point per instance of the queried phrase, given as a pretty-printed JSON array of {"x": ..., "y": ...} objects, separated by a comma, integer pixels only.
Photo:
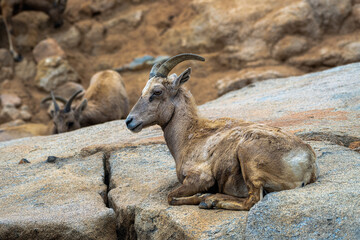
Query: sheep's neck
[{"x": 177, "y": 129}]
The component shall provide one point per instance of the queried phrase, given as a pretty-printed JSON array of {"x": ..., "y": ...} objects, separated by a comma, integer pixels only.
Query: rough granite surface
[{"x": 107, "y": 183}]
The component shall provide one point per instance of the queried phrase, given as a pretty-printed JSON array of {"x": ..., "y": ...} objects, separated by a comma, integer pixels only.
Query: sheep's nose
[{"x": 128, "y": 120}]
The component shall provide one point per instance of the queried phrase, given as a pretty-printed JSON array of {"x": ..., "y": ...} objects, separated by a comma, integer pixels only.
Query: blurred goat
[{"x": 104, "y": 100}]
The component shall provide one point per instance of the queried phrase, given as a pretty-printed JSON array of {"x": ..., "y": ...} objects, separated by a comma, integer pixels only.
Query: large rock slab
[
  {"x": 65, "y": 199},
  {"x": 327, "y": 101},
  {"x": 60, "y": 200},
  {"x": 109, "y": 183}
]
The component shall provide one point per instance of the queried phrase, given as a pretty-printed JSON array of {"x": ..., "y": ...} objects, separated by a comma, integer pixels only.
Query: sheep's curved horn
[
  {"x": 68, "y": 104},
  {"x": 155, "y": 68},
  {"x": 61, "y": 99},
  {"x": 56, "y": 106},
  {"x": 167, "y": 66}
]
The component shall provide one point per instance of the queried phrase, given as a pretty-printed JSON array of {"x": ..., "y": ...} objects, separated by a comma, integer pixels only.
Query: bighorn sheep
[
  {"x": 63, "y": 92},
  {"x": 104, "y": 100},
  {"x": 224, "y": 163},
  {"x": 9, "y": 8}
]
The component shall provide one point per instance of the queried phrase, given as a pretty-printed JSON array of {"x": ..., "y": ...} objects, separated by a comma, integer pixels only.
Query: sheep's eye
[
  {"x": 70, "y": 124},
  {"x": 157, "y": 93}
]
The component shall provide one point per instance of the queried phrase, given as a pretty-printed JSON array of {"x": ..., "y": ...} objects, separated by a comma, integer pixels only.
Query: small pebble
[
  {"x": 51, "y": 159},
  {"x": 23, "y": 161}
]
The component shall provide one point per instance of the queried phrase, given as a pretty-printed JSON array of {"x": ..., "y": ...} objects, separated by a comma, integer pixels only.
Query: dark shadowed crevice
[
  {"x": 125, "y": 226},
  {"x": 107, "y": 176},
  {"x": 342, "y": 140}
]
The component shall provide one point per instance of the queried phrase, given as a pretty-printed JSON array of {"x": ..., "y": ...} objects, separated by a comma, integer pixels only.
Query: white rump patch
[{"x": 298, "y": 162}]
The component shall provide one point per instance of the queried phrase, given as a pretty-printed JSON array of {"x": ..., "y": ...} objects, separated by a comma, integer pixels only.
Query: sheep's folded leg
[
  {"x": 191, "y": 191},
  {"x": 191, "y": 200},
  {"x": 224, "y": 201}
]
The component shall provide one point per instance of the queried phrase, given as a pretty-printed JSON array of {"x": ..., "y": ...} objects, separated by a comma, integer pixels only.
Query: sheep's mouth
[{"x": 136, "y": 128}]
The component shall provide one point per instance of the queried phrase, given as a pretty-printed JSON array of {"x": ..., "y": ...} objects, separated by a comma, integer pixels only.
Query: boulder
[
  {"x": 10, "y": 100},
  {"x": 330, "y": 14},
  {"x": 356, "y": 13},
  {"x": 333, "y": 51},
  {"x": 105, "y": 182},
  {"x": 131, "y": 19},
  {"x": 249, "y": 51},
  {"x": 9, "y": 113},
  {"x": 47, "y": 48},
  {"x": 248, "y": 76},
  {"x": 25, "y": 113},
  {"x": 351, "y": 52},
  {"x": 68, "y": 39},
  {"x": 99, "y": 6},
  {"x": 28, "y": 26},
  {"x": 289, "y": 46},
  {"x": 90, "y": 8},
  {"x": 6, "y": 64},
  {"x": 93, "y": 31},
  {"x": 53, "y": 72},
  {"x": 25, "y": 70},
  {"x": 110, "y": 44},
  {"x": 96, "y": 32}
]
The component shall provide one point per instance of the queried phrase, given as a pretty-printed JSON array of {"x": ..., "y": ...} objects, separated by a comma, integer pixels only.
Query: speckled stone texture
[{"x": 108, "y": 183}]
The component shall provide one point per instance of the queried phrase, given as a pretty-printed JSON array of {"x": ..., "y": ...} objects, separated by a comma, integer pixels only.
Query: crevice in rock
[
  {"x": 343, "y": 140},
  {"x": 107, "y": 177},
  {"x": 126, "y": 229}
]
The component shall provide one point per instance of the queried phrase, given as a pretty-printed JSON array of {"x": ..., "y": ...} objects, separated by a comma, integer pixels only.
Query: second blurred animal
[{"x": 104, "y": 100}]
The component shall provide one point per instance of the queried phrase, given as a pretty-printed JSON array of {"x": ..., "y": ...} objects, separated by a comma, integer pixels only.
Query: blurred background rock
[{"x": 242, "y": 41}]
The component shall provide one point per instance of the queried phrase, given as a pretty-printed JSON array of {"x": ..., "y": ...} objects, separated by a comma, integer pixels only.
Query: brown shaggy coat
[{"x": 224, "y": 163}]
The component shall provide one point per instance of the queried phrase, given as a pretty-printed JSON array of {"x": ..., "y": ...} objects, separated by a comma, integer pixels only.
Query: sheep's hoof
[
  {"x": 208, "y": 204},
  {"x": 173, "y": 201},
  {"x": 203, "y": 205}
]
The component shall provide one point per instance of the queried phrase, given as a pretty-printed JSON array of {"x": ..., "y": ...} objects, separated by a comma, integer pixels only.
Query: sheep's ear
[
  {"x": 183, "y": 78},
  {"x": 81, "y": 107}
]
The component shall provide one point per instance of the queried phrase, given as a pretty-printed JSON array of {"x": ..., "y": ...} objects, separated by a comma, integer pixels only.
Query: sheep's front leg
[
  {"x": 190, "y": 192},
  {"x": 233, "y": 203}
]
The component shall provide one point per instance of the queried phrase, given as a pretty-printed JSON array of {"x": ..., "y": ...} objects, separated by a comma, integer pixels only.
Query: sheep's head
[
  {"x": 155, "y": 106},
  {"x": 67, "y": 119}
]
